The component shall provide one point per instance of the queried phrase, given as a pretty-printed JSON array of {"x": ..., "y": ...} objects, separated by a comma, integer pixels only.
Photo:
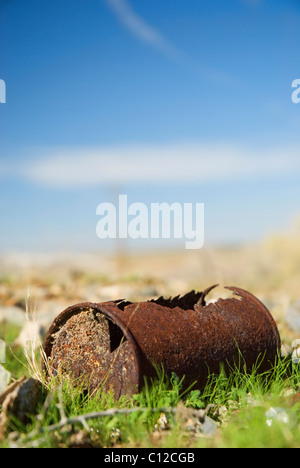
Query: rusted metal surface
[
  {"x": 85, "y": 343},
  {"x": 115, "y": 344}
]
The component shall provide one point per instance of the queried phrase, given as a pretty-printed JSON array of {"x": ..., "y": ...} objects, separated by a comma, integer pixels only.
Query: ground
[{"x": 43, "y": 285}]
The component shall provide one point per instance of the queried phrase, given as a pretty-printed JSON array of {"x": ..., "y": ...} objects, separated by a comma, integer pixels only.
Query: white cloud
[
  {"x": 140, "y": 28},
  {"x": 85, "y": 167},
  {"x": 151, "y": 36}
]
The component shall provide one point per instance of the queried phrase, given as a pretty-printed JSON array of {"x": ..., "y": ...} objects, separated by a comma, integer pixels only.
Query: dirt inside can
[{"x": 94, "y": 351}]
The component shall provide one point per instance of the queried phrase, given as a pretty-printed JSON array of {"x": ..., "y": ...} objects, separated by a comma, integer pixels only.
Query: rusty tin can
[{"x": 115, "y": 344}]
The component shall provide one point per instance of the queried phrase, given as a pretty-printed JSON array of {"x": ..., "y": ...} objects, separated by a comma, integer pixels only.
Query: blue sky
[{"x": 173, "y": 100}]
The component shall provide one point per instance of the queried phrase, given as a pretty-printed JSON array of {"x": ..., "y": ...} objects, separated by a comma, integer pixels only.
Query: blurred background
[{"x": 173, "y": 101}]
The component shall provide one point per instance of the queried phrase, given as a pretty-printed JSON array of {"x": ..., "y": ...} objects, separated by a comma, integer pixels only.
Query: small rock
[
  {"x": 292, "y": 316},
  {"x": 162, "y": 423},
  {"x": 55, "y": 290},
  {"x": 286, "y": 350},
  {"x": 81, "y": 439},
  {"x": 21, "y": 402},
  {"x": 4, "y": 378},
  {"x": 111, "y": 291},
  {"x": 196, "y": 421},
  {"x": 47, "y": 311},
  {"x": 148, "y": 291},
  {"x": 209, "y": 426},
  {"x": 288, "y": 393},
  {"x": 11, "y": 388},
  {"x": 295, "y": 400},
  {"x": 283, "y": 416},
  {"x": 221, "y": 413},
  {"x": 296, "y": 351},
  {"x": 31, "y": 335},
  {"x": 13, "y": 315},
  {"x": 206, "y": 426}
]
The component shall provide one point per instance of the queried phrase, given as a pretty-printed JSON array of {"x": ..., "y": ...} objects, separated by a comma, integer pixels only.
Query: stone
[
  {"x": 47, "y": 311},
  {"x": 292, "y": 316},
  {"x": 31, "y": 335},
  {"x": 12, "y": 314},
  {"x": 4, "y": 378},
  {"x": 21, "y": 402}
]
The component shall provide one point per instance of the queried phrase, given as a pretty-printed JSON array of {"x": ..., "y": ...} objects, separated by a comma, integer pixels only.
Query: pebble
[
  {"x": 21, "y": 402},
  {"x": 13, "y": 315},
  {"x": 292, "y": 317},
  {"x": 286, "y": 350},
  {"x": 282, "y": 416},
  {"x": 4, "y": 378},
  {"x": 47, "y": 311},
  {"x": 209, "y": 426},
  {"x": 31, "y": 335}
]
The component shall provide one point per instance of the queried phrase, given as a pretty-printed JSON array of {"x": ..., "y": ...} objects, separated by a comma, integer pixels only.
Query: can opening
[
  {"x": 94, "y": 351},
  {"x": 116, "y": 336}
]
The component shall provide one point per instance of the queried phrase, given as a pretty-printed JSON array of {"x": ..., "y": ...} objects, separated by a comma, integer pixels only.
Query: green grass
[
  {"x": 259, "y": 412},
  {"x": 15, "y": 359},
  {"x": 252, "y": 410}
]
